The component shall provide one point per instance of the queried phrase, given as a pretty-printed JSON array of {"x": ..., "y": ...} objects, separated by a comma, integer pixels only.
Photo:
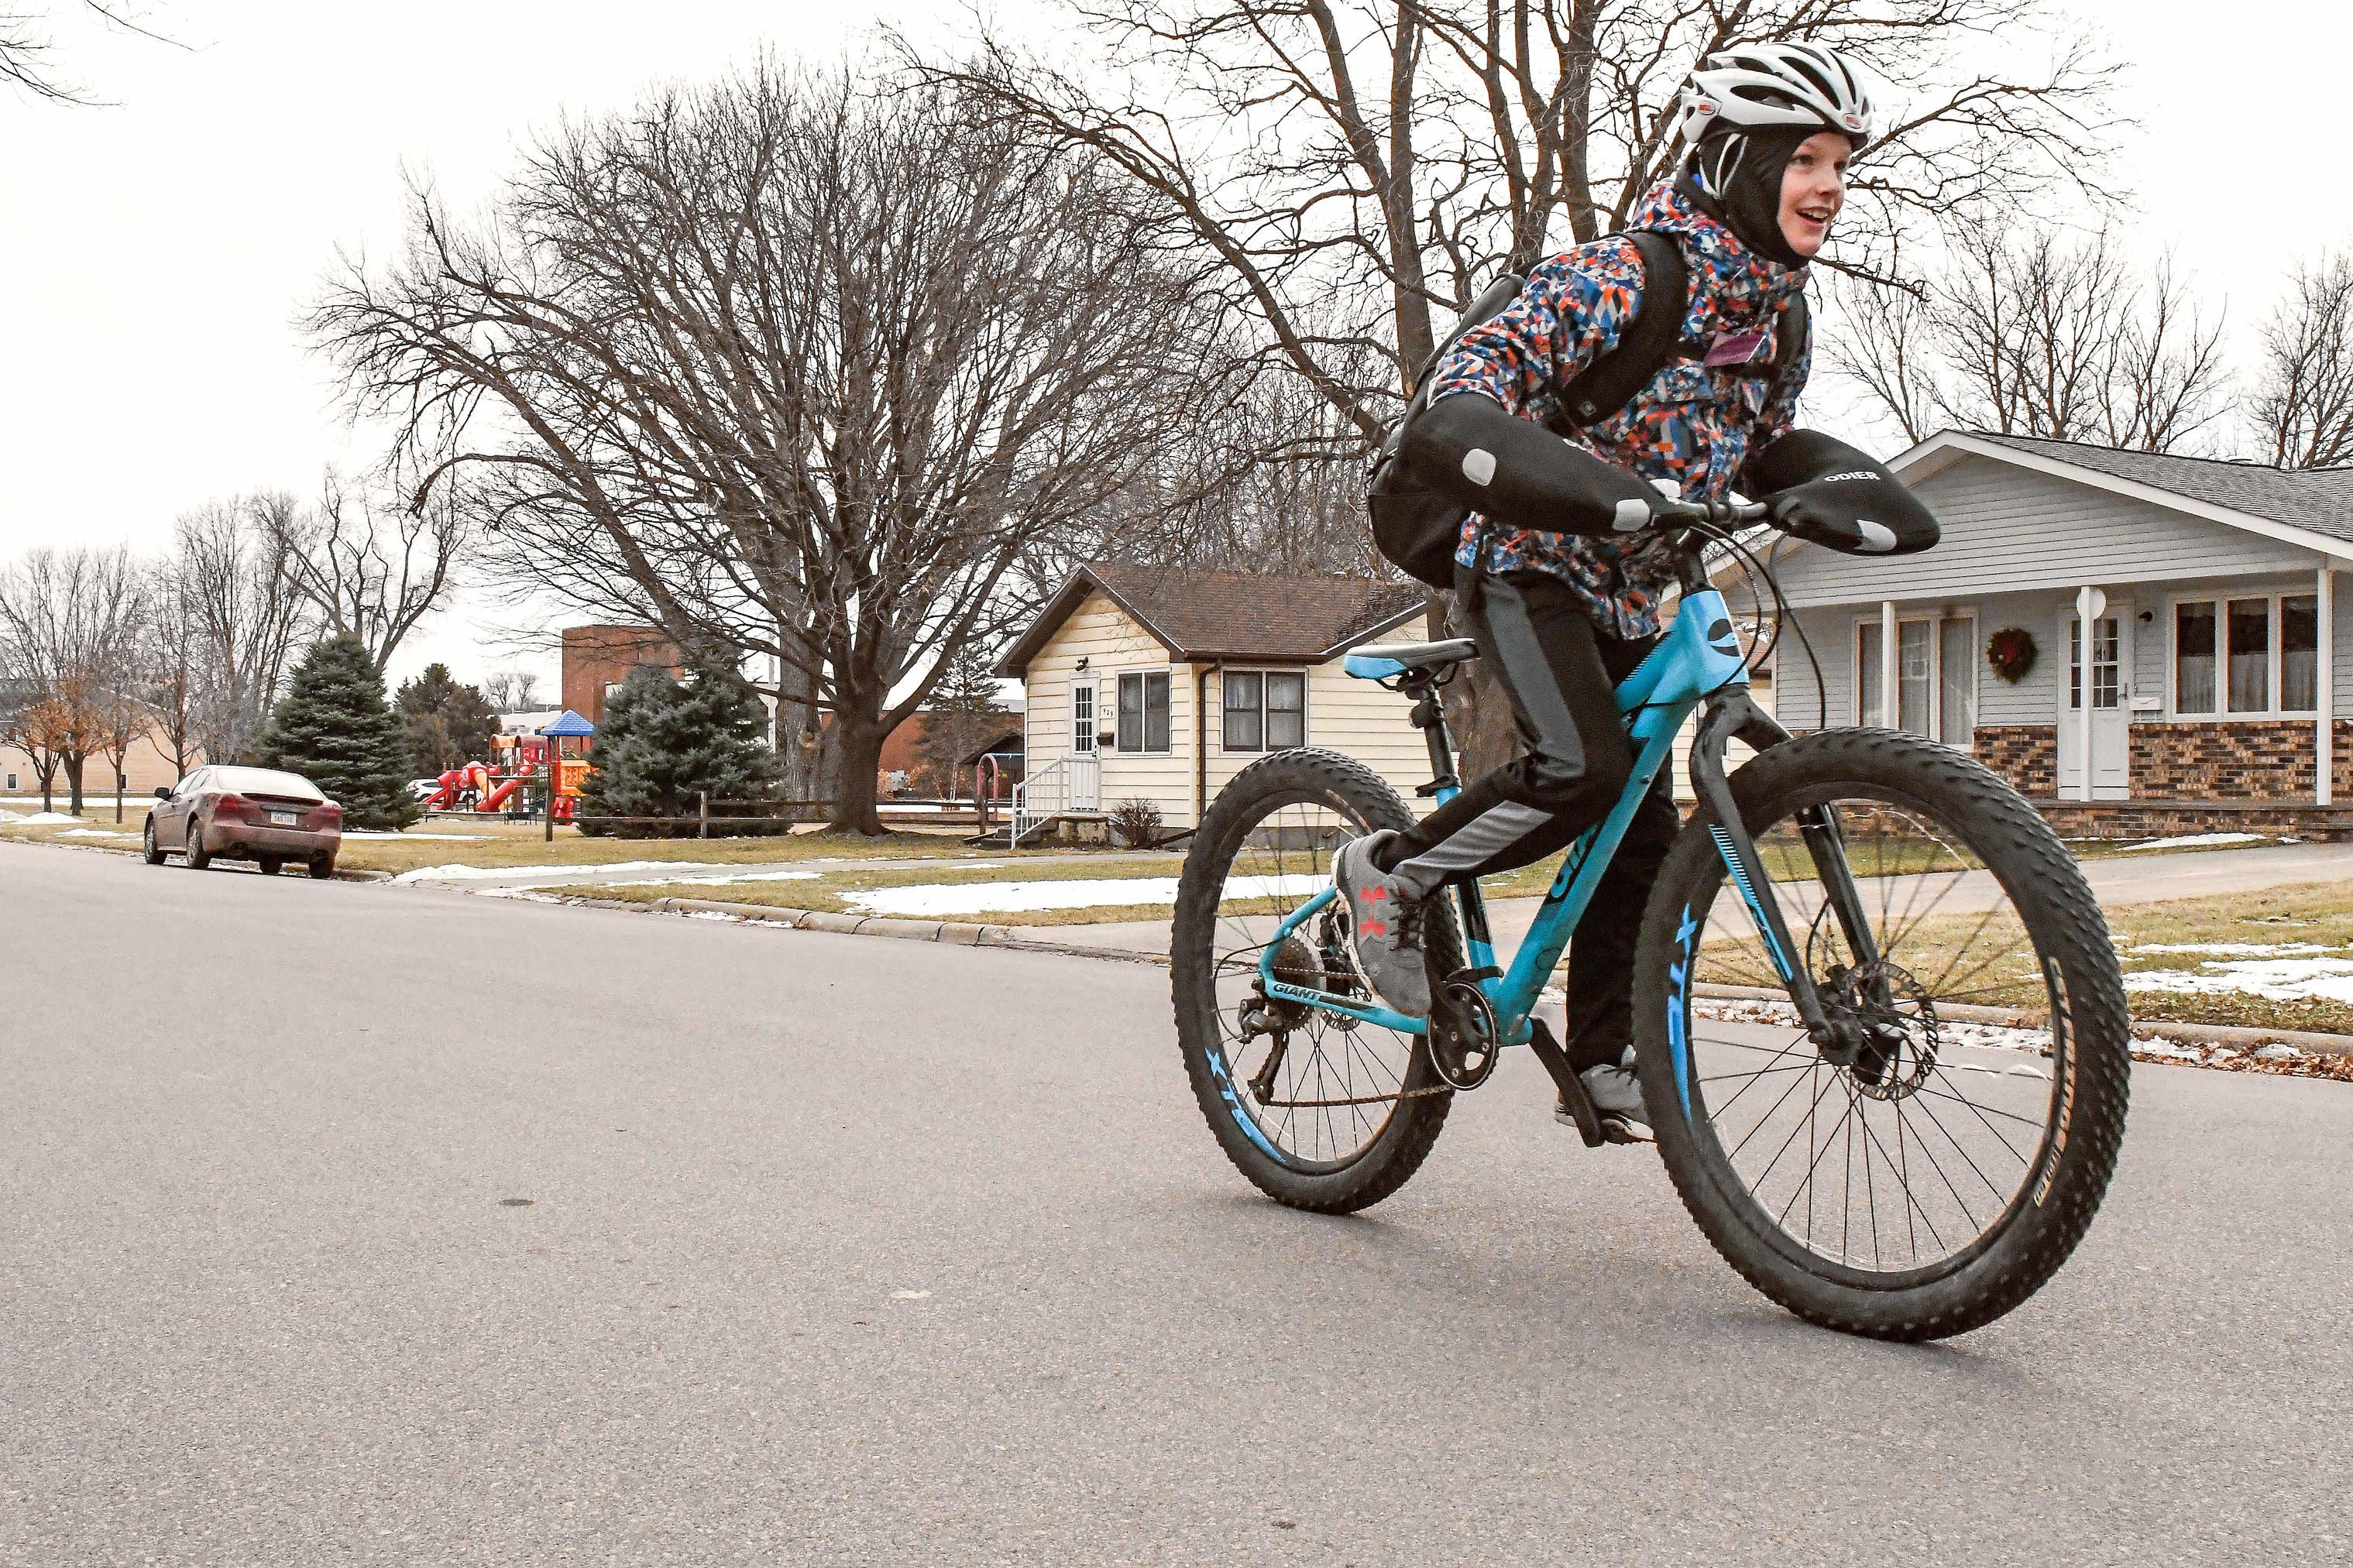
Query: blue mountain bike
[{"x": 1879, "y": 1025}]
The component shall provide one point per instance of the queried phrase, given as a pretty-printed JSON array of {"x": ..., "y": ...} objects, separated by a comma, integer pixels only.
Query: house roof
[
  {"x": 1200, "y": 616},
  {"x": 2308, "y": 506}
]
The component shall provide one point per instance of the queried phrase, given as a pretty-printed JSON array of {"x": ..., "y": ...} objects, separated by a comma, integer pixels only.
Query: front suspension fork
[{"x": 1731, "y": 714}]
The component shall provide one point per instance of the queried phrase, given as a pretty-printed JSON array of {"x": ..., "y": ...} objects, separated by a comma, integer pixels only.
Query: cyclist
[{"x": 1559, "y": 583}]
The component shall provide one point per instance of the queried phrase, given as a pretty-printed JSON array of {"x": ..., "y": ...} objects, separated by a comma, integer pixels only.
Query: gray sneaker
[
  {"x": 1387, "y": 926},
  {"x": 1618, "y": 1096}
]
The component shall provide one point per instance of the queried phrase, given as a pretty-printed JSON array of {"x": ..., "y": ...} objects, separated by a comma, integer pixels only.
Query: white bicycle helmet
[{"x": 1756, "y": 85}]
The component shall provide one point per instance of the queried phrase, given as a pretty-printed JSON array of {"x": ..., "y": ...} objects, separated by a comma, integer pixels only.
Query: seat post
[{"x": 1430, "y": 718}]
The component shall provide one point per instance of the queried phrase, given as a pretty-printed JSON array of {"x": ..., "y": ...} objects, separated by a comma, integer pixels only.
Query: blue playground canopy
[{"x": 568, "y": 723}]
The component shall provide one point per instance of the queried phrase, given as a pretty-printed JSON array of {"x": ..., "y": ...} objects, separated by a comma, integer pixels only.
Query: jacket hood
[{"x": 1731, "y": 286}]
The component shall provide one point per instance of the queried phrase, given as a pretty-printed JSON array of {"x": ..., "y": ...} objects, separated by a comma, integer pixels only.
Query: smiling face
[{"x": 1813, "y": 188}]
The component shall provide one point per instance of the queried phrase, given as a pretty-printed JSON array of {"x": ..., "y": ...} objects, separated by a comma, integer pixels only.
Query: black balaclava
[{"x": 1733, "y": 175}]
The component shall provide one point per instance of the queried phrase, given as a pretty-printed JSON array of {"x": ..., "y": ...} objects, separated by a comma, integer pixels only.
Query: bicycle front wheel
[
  {"x": 1319, "y": 1111},
  {"x": 1940, "y": 1177}
]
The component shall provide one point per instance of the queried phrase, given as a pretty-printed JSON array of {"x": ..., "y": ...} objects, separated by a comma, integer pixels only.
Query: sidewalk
[{"x": 2116, "y": 881}]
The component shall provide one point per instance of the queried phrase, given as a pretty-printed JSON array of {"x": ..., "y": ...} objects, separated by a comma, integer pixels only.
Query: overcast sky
[{"x": 154, "y": 251}]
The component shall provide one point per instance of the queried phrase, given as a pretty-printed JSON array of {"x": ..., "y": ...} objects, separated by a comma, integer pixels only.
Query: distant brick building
[{"x": 599, "y": 658}]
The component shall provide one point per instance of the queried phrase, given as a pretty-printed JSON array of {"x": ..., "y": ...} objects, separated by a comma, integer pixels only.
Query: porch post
[
  {"x": 1889, "y": 708},
  {"x": 2323, "y": 739},
  {"x": 2085, "y": 618}
]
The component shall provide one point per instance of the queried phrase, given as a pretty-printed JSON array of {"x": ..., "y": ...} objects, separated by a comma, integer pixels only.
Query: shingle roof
[
  {"x": 2320, "y": 499},
  {"x": 1202, "y": 616}
]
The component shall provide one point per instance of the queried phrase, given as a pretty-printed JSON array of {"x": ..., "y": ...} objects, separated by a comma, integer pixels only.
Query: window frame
[
  {"x": 1266, "y": 744},
  {"x": 2220, "y": 599},
  {"x": 1144, "y": 679},
  {"x": 1936, "y": 621}
]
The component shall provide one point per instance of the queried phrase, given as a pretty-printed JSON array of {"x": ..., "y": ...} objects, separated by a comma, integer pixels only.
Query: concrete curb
[
  {"x": 341, "y": 874},
  {"x": 2234, "y": 1035}
]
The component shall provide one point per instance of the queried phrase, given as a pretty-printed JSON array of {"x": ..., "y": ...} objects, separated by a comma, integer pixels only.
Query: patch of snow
[
  {"x": 719, "y": 881},
  {"x": 2234, "y": 948},
  {"x": 529, "y": 895},
  {"x": 460, "y": 872},
  {"x": 45, "y": 818},
  {"x": 2273, "y": 979},
  {"x": 382, "y": 833},
  {"x": 988, "y": 898},
  {"x": 2201, "y": 841},
  {"x": 94, "y": 833}
]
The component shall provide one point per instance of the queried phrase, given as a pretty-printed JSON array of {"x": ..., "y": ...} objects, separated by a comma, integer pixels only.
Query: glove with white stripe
[{"x": 1824, "y": 491}]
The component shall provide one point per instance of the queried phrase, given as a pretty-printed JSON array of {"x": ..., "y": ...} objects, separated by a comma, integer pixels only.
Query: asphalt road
[{"x": 842, "y": 1249}]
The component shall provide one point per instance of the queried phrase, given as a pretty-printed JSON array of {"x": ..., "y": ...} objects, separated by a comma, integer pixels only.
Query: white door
[
  {"x": 2111, "y": 778},
  {"x": 1086, "y": 764}
]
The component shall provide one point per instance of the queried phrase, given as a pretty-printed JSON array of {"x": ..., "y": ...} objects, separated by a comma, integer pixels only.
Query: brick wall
[
  {"x": 2262, "y": 760},
  {"x": 2025, "y": 755},
  {"x": 598, "y": 657}
]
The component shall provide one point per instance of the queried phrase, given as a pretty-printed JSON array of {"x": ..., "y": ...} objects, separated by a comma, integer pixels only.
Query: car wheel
[
  {"x": 151, "y": 851},
  {"x": 198, "y": 857},
  {"x": 323, "y": 866},
  {"x": 269, "y": 864}
]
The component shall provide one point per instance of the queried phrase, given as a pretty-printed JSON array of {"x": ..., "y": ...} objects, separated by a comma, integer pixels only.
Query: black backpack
[{"x": 1419, "y": 530}]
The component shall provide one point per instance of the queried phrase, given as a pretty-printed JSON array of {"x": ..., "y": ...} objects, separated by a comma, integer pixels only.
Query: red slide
[
  {"x": 498, "y": 796},
  {"x": 446, "y": 797}
]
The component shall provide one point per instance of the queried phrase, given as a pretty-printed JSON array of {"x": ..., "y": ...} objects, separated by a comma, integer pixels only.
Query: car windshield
[{"x": 264, "y": 781}]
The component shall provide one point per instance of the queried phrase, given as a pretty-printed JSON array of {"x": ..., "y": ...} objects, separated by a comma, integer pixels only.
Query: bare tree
[
  {"x": 121, "y": 720},
  {"x": 2038, "y": 334},
  {"x": 244, "y": 609},
  {"x": 35, "y": 723},
  {"x": 70, "y": 620},
  {"x": 26, "y": 47},
  {"x": 2301, "y": 406},
  {"x": 371, "y": 571},
  {"x": 787, "y": 368},
  {"x": 1353, "y": 165},
  {"x": 171, "y": 664},
  {"x": 513, "y": 690}
]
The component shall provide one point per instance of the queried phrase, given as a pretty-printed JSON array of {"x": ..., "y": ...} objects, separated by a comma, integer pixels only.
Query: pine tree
[
  {"x": 963, "y": 715},
  {"x": 444, "y": 723},
  {"x": 332, "y": 727},
  {"x": 663, "y": 742}
]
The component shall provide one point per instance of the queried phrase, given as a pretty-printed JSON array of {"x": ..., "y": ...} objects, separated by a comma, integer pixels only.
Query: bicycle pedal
[{"x": 1620, "y": 1130}]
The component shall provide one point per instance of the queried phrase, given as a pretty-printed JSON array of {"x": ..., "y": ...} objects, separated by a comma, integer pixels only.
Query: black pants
[{"x": 1561, "y": 675}]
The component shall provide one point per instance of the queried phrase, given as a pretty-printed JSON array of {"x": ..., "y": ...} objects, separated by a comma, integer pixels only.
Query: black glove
[
  {"x": 1825, "y": 491},
  {"x": 1468, "y": 448}
]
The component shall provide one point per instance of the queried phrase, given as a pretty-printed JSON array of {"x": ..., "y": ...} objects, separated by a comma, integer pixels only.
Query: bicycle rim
[{"x": 1903, "y": 1167}]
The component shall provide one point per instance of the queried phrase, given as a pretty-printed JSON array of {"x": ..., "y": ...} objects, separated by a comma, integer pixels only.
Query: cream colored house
[{"x": 1152, "y": 682}]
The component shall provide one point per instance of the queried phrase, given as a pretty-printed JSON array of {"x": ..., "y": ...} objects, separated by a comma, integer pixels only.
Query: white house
[
  {"x": 2217, "y": 647},
  {"x": 1152, "y": 682}
]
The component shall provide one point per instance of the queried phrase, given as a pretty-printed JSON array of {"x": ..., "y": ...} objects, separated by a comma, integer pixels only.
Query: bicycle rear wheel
[
  {"x": 1940, "y": 1179},
  {"x": 1320, "y": 1112}
]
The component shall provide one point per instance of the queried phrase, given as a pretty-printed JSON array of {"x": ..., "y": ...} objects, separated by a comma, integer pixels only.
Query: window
[
  {"x": 1082, "y": 718},
  {"x": 2299, "y": 653},
  {"x": 2107, "y": 667},
  {"x": 1936, "y": 677},
  {"x": 1265, "y": 711},
  {"x": 2250, "y": 655},
  {"x": 2193, "y": 658},
  {"x": 1144, "y": 711},
  {"x": 2256, "y": 655},
  {"x": 12, "y": 784}
]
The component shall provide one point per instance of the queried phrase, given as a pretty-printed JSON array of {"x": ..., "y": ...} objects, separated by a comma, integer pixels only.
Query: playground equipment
[{"x": 514, "y": 782}]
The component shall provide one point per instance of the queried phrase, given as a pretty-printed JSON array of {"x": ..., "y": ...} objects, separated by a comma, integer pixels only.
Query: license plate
[{"x": 284, "y": 818}]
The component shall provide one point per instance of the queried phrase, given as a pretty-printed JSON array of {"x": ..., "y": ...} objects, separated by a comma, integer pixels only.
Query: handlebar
[{"x": 1720, "y": 513}]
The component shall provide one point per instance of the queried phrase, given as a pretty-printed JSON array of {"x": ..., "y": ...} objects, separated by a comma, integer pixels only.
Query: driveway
[{"x": 374, "y": 1225}]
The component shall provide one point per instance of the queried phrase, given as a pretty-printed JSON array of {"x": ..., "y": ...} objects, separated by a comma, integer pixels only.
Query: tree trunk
[
  {"x": 806, "y": 747},
  {"x": 858, "y": 758},
  {"x": 73, "y": 783}
]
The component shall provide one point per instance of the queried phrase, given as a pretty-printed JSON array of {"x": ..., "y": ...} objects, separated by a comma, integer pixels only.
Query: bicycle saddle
[{"x": 1382, "y": 661}]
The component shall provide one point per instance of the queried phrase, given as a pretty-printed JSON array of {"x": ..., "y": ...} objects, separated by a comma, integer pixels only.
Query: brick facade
[
  {"x": 2254, "y": 776},
  {"x": 2025, "y": 755},
  {"x": 598, "y": 657}
]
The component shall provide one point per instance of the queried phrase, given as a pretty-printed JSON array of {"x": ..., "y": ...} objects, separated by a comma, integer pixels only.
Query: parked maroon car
[{"x": 246, "y": 814}]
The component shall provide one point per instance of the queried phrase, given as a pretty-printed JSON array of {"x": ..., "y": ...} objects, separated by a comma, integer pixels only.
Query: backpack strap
[
  {"x": 1652, "y": 337},
  {"x": 1791, "y": 331}
]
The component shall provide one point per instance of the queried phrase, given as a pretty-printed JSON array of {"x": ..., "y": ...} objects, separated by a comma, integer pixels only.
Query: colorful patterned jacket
[{"x": 1691, "y": 424}]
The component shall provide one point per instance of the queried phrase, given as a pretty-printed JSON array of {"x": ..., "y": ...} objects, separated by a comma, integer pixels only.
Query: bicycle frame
[{"x": 1699, "y": 661}]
